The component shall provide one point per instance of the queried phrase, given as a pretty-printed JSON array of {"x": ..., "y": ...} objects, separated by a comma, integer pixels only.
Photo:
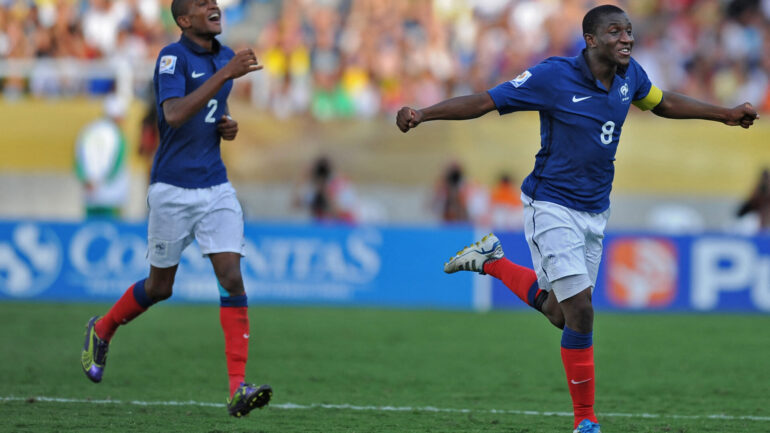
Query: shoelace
[
  {"x": 100, "y": 351},
  {"x": 477, "y": 245}
]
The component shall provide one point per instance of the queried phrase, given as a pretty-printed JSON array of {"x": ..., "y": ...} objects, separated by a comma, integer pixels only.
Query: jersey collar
[
  {"x": 195, "y": 48},
  {"x": 582, "y": 65}
]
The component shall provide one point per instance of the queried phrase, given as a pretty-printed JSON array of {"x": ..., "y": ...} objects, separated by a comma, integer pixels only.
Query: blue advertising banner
[
  {"x": 99, "y": 260},
  {"x": 376, "y": 266},
  {"x": 646, "y": 271}
]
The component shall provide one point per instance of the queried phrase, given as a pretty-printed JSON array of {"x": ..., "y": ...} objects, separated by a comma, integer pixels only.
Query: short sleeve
[
  {"x": 170, "y": 70},
  {"x": 530, "y": 91},
  {"x": 646, "y": 96}
]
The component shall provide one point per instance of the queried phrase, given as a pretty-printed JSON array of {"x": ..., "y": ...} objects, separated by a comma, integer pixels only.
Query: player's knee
[
  {"x": 232, "y": 282},
  {"x": 557, "y": 319},
  {"x": 159, "y": 289},
  {"x": 578, "y": 311},
  {"x": 584, "y": 311},
  {"x": 547, "y": 304},
  {"x": 159, "y": 292}
]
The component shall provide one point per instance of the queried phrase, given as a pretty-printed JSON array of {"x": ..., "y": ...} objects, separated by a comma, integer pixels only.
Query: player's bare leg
[
  {"x": 578, "y": 311},
  {"x": 552, "y": 310},
  {"x": 160, "y": 284},
  {"x": 233, "y": 315}
]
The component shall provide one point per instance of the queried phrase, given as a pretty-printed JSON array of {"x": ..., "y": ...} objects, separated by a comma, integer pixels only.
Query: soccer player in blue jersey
[
  {"x": 583, "y": 102},
  {"x": 189, "y": 195}
]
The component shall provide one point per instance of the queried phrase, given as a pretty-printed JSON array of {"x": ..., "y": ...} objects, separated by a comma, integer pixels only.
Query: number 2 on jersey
[
  {"x": 607, "y": 129},
  {"x": 213, "y": 109}
]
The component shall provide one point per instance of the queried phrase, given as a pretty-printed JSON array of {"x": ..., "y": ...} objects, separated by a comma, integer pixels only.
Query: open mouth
[
  {"x": 625, "y": 51},
  {"x": 213, "y": 17}
]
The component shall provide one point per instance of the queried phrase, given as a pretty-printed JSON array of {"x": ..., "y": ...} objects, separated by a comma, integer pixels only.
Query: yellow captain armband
[{"x": 650, "y": 101}]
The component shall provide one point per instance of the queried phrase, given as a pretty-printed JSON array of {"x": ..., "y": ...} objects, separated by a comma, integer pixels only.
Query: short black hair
[
  {"x": 454, "y": 175},
  {"x": 322, "y": 169},
  {"x": 594, "y": 17},
  {"x": 179, "y": 8}
]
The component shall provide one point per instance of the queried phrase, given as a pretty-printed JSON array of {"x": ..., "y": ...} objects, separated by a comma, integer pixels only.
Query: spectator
[
  {"x": 101, "y": 22},
  {"x": 326, "y": 195},
  {"x": 100, "y": 162},
  {"x": 149, "y": 136},
  {"x": 505, "y": 208},
  {"x": 364, "y": 58},
  {"x": 452, "y": 195},
  {"x": 759, "y": 201}
]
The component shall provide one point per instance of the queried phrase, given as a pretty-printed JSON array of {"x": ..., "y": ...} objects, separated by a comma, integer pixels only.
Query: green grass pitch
[{"x": 374, "y": 370}]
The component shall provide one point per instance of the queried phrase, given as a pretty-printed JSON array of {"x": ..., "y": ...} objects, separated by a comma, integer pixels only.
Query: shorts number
[
  {"x": 213, "y": 105},
  {"x": 607, "y": 129}
]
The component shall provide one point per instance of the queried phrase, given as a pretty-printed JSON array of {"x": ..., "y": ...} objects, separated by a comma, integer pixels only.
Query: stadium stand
[{"x": 334, "y": 60}]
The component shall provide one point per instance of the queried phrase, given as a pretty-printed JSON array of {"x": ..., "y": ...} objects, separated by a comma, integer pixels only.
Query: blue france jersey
[
  {"x": 189, "y": 156},
  {"x": 580, "y": 124}
]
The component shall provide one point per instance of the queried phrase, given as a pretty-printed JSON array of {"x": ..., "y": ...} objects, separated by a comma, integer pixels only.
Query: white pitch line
[{"x": 294, "y": 406}]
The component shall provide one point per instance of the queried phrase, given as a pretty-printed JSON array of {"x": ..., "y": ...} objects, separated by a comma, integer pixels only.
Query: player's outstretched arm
[
  {"x": 177, "y": 111},
  {"x": 459, "y": 108},
  {"x": 678, "y": 106}
]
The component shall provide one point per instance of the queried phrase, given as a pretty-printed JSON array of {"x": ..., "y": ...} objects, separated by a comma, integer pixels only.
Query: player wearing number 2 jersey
[
  {"x": 583, "y": 102},
  {"x": 190, "y": 197}
]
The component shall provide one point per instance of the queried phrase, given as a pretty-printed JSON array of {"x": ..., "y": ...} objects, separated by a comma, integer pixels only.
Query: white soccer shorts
[
  {"x": 566, "y": 245},
  {"x": 212, "y": 216}
]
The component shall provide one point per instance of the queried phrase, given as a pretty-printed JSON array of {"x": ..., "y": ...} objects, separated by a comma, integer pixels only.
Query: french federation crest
[
  {"x": 624, "y": 92},
  {"x": 521, "y": 79},
  {"x": 167, "y": 65}
]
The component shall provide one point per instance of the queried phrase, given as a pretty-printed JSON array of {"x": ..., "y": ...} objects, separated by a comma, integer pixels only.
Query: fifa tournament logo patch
[
  {"x": 167, "y": 65},
  {"x": 521, "y": 79}
]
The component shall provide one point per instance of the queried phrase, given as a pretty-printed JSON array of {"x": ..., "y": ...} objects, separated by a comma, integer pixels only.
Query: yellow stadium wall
[
  {"x": 39, "y": 135},
  {"x": 656, "y": 156}
]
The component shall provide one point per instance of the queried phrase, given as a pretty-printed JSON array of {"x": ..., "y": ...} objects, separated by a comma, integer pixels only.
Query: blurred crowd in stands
[{"x": 363, "y": 58}]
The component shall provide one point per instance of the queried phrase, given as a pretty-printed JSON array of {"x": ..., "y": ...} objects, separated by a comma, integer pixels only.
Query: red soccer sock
[
  {"x": 235, "y": 324},
  {"x": 520, "y": 280},
  {"x": 133, "y": 303},
  {"x": 579, "y": 366}
]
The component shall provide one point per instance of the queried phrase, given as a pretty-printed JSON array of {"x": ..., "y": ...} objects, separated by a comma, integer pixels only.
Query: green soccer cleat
[
  {"x": 94, "y": 356},
  {"x": 248, "y": 397}
]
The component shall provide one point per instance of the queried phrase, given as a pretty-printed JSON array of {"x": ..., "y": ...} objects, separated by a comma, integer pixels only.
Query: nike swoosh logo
[
  {"x": 246, "y": 336},
  {"x": 576, "y": 99},
  {"x": 575, "y": 382},
  {"x": 200, "y": 74}
]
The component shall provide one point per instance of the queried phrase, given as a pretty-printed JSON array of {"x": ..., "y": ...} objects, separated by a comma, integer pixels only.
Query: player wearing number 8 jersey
[
  {"x": 190, "y": 197},
  {"x": 581, "y": 120},
  {"x": 583, "y": 103}
]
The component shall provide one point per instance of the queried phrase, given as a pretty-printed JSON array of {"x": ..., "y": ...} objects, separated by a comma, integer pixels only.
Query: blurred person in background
[
  {"x": 190, "y": 197},
  {"x": 287, "y": 85},
  {"x": 758, "y": 202},
  {"x": 583, "y": 102},
  {"x": 389, "y": 53},
  {"x": 451, "y": 195},
  {"x": 505, "y": 208},
  {"x": 325, "y": 194},
  {"x": 148, "y": 132},
  {"x": 458, "y": 198},
  {"x": 100, "y": 162}
]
